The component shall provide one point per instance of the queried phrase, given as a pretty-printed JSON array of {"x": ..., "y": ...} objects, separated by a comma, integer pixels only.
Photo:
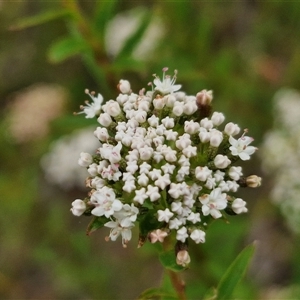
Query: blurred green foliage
[{"x": 243, "y": 50}]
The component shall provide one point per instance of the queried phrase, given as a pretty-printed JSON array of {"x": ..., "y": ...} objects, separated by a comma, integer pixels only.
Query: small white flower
[
  {"x": 176, "y": 207},
  {"x": 240, "y": 147},
  {"x": 92, "y": 109},
  {"x": 105, "y": 202},
  {"x": 117, "y": 229},
  {"x": 194, "y": 217},
  {"x": 198, "y": 236},
  {"x": 178, "y": 109},
  {"x": 78, "y": 207},
  {"x": 175, "y": 223},
  {"x": 167, "y": 85},
  {"x": 140, "y": 195},
  {"x": 190, "y": 151},
  {"x": 143, "y": 179},
  {"x": 182, "y": 234},
  {"x": 129, "y": 186},
  {"x": 163, "y": 181},
  {"x": 213, "y": 203},
  {"x": 168, "y": 168},
  {"x": 239, "y": 206},
  {"x": 164, "y": 215},
  {"x": 153, "y": 193}
]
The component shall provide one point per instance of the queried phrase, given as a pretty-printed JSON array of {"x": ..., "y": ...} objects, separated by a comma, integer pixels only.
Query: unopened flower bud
[
  {"x": 204, "y": 98},
  {"x": 124, "y": 86},
  {"x": 104, "y": 119},
  {"x": 216, "y": 138},
  {"x": 253, "y": 181},
  {"x": 239, "y": 206},
  {"x": 78, "y": 207},
  {"x": 112, "y": 108},
  {"x": 231, "y": 129},
  {"x": 183, "y": 258},
  {"x": 101, "y": 134},
  {"x": 221, "y": 161},
  {"x": 217, "y": 118}
]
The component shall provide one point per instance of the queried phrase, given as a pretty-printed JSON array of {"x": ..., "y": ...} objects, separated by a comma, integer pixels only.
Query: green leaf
[
  {"x": 96, "y": 223},
  {"x": 136, "y": 37},
  {"x": 103, "y": 13},
  {"x": 234, "y": 273},
  {"x": 156, "y": 293},
  {"x": 168, "y": 260},
  {"x": 40, "y": 19},
  {"x": 65, "y": 48},
  {"x": 148, "y": 223}
]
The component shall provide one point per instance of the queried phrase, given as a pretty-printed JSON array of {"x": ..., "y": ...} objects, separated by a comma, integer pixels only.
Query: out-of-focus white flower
[
  {"x": 124, "y": 25},
  {"x": 198, "y": 236},
  {"x": 31, "y": 110},
  {"x": 60, "y": 165}
]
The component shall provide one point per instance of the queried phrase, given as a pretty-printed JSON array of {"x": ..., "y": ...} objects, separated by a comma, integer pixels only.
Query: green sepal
[
  {"x": 65, "y": 48},
  {"x": 96, "y": 223},
  {"x": 168, "y": 260},
  {"x": 41, "y": 18}
]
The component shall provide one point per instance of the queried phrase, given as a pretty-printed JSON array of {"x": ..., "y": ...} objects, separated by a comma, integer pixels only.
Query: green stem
[{"x": 178, "y": 284}]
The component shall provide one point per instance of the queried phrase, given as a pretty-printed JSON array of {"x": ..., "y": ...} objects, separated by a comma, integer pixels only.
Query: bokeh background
[{"x": 246, "y": 51}]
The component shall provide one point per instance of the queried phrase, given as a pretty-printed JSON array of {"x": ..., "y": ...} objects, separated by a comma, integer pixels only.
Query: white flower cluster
[
  {"x": 164, "y": 164},
  {"x": 284, "y": 138}
]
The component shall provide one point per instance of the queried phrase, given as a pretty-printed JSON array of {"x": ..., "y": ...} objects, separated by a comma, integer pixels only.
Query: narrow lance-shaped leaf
[
  {"x": 136, "y": 37},
  {"x": 65, "y": 48},
  {"x": 41, "y": 18},
  {"x": 95, "y": 224},
  {"x": 234, "y": 273},
  {"x": 103, "y": 13}
]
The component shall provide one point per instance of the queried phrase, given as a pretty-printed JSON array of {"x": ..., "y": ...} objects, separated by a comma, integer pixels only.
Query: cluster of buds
[{"x": 163, "y": 162}]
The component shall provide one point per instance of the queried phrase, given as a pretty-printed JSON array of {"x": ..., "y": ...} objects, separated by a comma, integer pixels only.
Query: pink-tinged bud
[
  {"x": 124, "y": 86},
  {"x": 157, "y": 236},
  {"x": 183, "y": 258},
  {"x": 204, "y": 98},
  {"x": 253, "y": 181}
]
